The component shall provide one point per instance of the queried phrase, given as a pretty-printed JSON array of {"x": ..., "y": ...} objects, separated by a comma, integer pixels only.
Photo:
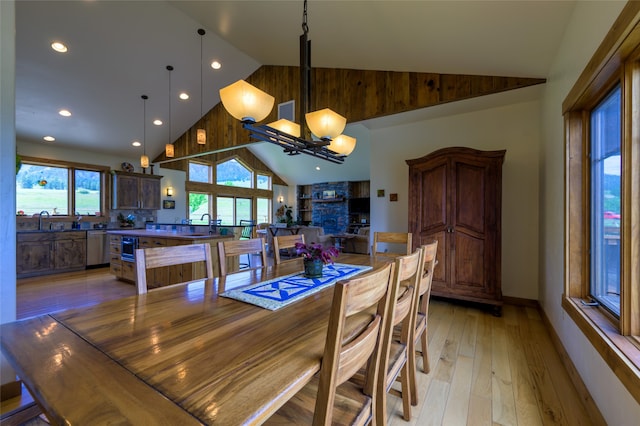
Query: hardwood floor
[{"x": 486, "y": 370}]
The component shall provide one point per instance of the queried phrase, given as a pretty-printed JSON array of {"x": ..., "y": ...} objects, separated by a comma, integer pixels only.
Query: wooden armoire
[{"x": 455, "y": 197}]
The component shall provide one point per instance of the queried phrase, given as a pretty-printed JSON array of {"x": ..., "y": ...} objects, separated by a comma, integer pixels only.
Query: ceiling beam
[{"x": 356, "y": 94}]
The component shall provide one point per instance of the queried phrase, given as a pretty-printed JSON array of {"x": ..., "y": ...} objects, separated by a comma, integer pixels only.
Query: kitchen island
[{"x": 122, "y": 244}]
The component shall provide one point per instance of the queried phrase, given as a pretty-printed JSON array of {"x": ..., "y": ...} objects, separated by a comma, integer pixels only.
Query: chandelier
[{"x": 250, "y": 105}]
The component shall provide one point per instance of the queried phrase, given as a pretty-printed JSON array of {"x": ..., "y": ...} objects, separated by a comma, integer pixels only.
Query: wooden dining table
[{"x": 176, "y": 355}]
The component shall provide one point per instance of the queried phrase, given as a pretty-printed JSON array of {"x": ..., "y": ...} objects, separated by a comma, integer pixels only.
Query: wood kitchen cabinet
[
  {"x": 136, "y": 191},
  {"x": 158, "y": 277},
  {"x": 42, "y": 253},
  {"x": 455, "y": 197}
]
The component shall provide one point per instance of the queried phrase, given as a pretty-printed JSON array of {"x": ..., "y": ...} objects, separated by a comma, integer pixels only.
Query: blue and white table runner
[{"x": 282, "y": 291}]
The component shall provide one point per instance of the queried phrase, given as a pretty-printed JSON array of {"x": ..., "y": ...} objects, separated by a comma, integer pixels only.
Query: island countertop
[{"x": 168, "y": 234}]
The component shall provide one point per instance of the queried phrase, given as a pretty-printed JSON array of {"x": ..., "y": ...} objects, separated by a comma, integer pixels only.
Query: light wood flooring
[{"x": 485, "y": 370}]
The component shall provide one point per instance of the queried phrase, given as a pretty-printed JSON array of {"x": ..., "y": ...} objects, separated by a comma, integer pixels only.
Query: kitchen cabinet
[
  {"x": 157, "y": 277},
  {"x": 42, "y": 253},
  {"x": 115, "y": 250},
  {"x": 136, "y": 191},
  {"x": 70, "y": 251},
  {"x": 455, "y": 197}
]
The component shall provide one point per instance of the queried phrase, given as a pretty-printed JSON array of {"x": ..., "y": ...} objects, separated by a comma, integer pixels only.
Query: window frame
[
  {"x": 617, "y": 61},
  {"x": 215, "y": 190},
  {"x": 71, "y": 168}
]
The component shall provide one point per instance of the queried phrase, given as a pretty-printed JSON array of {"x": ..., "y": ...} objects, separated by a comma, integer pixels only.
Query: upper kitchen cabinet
[{"x": 136, "y": 191}]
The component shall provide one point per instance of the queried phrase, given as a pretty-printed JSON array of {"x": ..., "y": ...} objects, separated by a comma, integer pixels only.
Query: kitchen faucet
[
  {"x": 202, "y": 217},
  {"x": 40, "y": 219}
]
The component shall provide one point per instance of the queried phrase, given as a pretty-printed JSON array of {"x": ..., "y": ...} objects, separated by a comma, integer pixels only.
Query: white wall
[
  {"x": 513, "y": 127},
  {"x": 589, "y": 25}
]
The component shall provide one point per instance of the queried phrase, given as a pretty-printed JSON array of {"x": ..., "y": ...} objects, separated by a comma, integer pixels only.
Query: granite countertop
[{"x": 166, "y": 234}]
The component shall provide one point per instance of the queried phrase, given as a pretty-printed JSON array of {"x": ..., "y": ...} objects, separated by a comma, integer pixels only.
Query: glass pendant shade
[
  {"x": 343, "y": 145},
  {"x": 325, "y": 123},
  {"x": 201, "y": 136},
  {"x": 144, "y": 161},
  {"x": 168, "y": 150},
  {"x": 289, "y": 127},
  {"x": 246, "y": 102}
]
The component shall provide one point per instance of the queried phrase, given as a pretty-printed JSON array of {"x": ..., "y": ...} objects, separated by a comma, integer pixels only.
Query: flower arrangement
[
  {"x": 316, "y": 251},
  {"x": 285, "y": 214}
]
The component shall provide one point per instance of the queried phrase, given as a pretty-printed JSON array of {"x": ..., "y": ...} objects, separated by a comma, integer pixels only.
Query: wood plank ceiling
[{"x": 356, "y": 94}]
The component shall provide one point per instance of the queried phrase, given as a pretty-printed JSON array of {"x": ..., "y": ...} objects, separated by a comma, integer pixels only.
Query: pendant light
[
  {"x": 144, "y": 160},
  {"x": 168, "y": 148},
  {"x": 250, "y": 105},
  {"x": 201, "y": 134}
]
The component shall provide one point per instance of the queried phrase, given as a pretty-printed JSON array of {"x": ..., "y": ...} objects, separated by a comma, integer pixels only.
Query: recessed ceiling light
[
  {"x": 184, "y": 96},
  {"x": 136, "y": 143},
  {"x": 58, "y": 47},
  {"x": 157, "y": 122},
  {"x": 65, "y": 113},
  {"x": 317, "y": 167},
  {"x": 49, "y": 138},
  {"x": 216, "y": 65}
]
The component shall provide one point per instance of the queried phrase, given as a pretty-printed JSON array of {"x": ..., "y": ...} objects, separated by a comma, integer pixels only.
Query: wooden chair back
[
  {"x": 233, "y": 248},
  {"x": 281, "y": 242},
  {"x": 345, "y": 352},
  {"x": 156, "y": 257},
  {"x": 429, "y": 262},
  {"x": 398, "y": 335},
  {"x": 395, "y": 238}
]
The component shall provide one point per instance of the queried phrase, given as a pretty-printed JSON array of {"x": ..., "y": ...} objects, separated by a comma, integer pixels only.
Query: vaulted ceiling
[{"x": 119, "y": 51}]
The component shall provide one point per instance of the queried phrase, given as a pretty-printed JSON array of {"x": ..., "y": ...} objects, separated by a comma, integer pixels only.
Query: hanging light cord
[
  {"x": 144, "y": 124},
  {"x": 202, "y": 33},
  {"x": 170, "y": 68}
]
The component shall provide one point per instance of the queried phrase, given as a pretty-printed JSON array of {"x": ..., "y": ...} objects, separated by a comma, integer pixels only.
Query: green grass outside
[{"x": 34, "y": 200}]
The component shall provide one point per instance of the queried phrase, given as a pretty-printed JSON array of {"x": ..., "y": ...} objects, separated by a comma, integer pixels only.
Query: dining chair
[
  {"x": 394, "y": 365},
  {"x": 421, "y": 316},
  {"x": 247, "y": 234},
  {"x": 236, "y": 248},
  {"x": 156, "y": 257},
  {"x": 285, "y": 242},
  {"x": 358, "y": 313},
  {"x": 396, "y": 239}
]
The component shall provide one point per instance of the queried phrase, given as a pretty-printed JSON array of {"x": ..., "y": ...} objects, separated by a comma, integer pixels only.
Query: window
[
  {"x": 233, "y": 209},
  {"x": 263, "y": 210},
  {"x": 199, "y": 172},
  {"x": 45, "y": 187},
  {"x": 230, "y": 192},
  {"x": 234, "y": 173},
  {"x": 263, "y": 182},
  {"x": 199, "y": 205},
  {"x": 605, "y": 202},
  {"x": 87, "y": 191},
  {"x": 602, "y": 187}
]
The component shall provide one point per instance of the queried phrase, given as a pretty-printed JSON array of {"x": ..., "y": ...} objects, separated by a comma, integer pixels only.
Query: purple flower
[{"x": 316, "y": 251}]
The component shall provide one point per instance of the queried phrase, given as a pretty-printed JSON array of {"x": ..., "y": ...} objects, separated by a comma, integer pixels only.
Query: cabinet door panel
[
  {"x": 469, "y": 198},
  {"x": 70, "y": 254},
  {"x": 126, "y": 192},
  {"x": 150, "y": 193},
  {"x": 469, "y": 261},
  {"x": 434, "y": 199},
  {"x": 32, "y": 257}
]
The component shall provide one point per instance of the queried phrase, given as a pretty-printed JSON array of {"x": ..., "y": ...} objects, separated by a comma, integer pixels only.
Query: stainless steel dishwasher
[{"x": 97, "y": 248}]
